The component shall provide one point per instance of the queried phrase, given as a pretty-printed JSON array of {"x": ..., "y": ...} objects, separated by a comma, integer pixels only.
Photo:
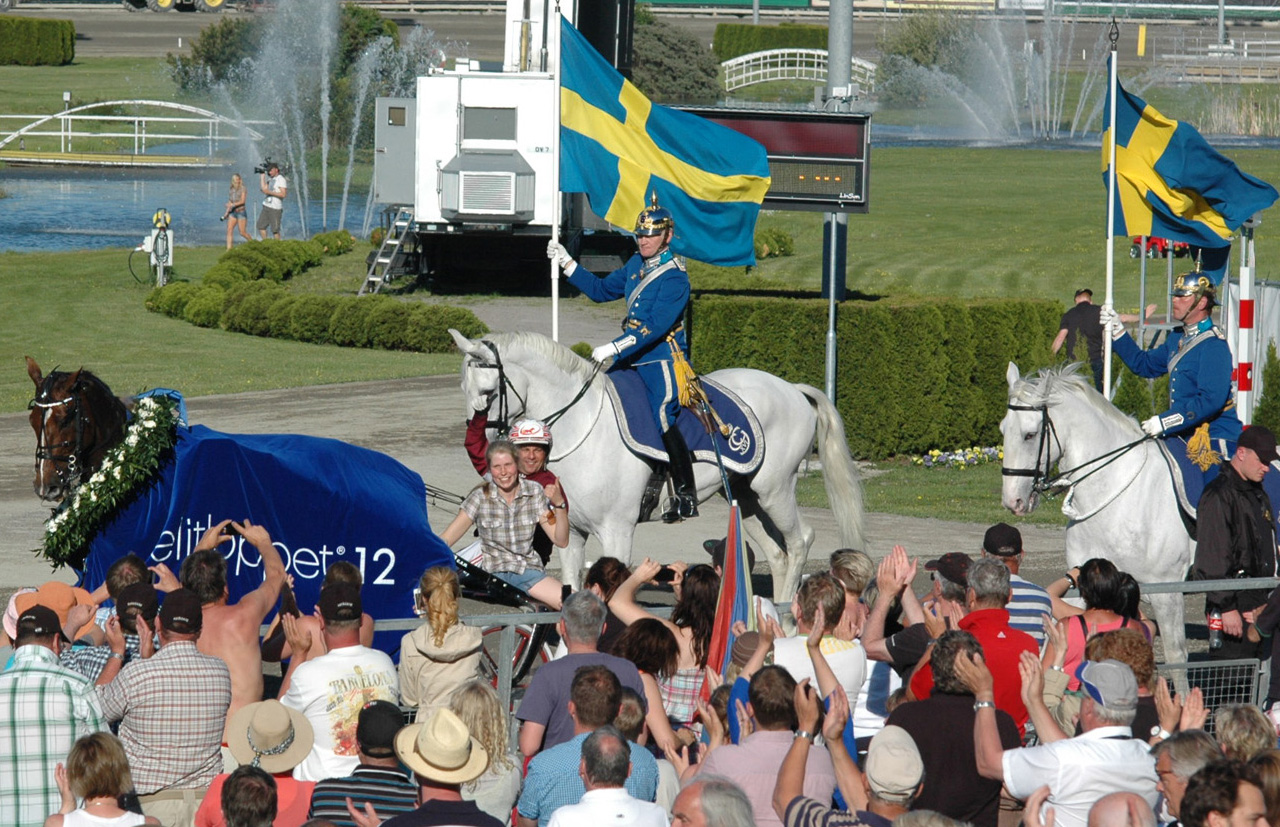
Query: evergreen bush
[
  {"x": 280, "y": 317},
  {"x": 247, "y": 307},
  {"x": 336, "y": 242},
  {"x": 349, "y": 325},
  {"x": 171, "y": 300},
  {"x": 29, "y": 41},
  {"x": 1267, "y": 411},
  {"x": 736, "y": 39},
  {"x": 388, "y": 325},
  {"x": 206, "y": 306},
  {"x": 310, "y": 319}
]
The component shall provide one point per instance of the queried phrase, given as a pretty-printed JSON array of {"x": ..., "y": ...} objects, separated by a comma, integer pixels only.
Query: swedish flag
[
  {"x": 618, "y": 147},
  {"x": 1171, "y": 183}
]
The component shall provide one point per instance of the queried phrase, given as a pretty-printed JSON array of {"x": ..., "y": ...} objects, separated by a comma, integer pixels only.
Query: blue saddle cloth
[
  {"x": 321, "y": 500},
  {"x": 742, "y": 450},
  {"x": 1189, "y": 481}
]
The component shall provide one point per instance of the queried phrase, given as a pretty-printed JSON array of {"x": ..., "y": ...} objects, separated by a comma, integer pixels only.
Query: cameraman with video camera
[{"x": 275, "y": 187}]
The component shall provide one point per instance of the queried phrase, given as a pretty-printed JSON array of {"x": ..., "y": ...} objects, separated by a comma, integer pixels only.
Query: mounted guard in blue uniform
[
  {"x": 1202, "y": 408},
  {"x": 656, "y": 287}
]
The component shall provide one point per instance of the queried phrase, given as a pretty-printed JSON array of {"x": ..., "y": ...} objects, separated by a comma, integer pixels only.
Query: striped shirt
[
  {"x": 44, "y": 708},
  {"x": 172, "y": 708},
  {"x": 91, "y": 660},
  {"x": 1028, "y": 608},
  {"x": 386, "y": 788}
]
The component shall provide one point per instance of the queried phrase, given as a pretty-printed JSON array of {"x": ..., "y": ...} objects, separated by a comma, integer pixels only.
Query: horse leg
[
  {"x": 1169, "y": 615},
  {"x": 572, "y": 558}
]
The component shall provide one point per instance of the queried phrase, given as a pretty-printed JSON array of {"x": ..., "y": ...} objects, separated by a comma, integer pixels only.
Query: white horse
[
  {"x": 605, "y": 481},
  {"x": 1120, "y": 498}
]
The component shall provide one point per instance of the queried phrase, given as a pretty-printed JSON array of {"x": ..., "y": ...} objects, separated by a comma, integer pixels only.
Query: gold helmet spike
[{"x": 653, "y": 219}]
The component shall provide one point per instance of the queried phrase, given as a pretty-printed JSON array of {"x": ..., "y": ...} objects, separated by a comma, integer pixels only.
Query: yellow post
[{"x": 1142, "y": 39}]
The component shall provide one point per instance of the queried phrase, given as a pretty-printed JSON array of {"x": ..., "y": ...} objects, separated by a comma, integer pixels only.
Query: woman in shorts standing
[{"x": 235, "y": 214}]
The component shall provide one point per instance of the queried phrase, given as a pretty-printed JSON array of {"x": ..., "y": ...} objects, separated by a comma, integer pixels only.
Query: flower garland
[{"x": 128, "y": 467}]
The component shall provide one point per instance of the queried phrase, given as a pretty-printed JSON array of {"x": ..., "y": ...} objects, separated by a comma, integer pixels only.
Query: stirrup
[{"x": 680, "y": 507}]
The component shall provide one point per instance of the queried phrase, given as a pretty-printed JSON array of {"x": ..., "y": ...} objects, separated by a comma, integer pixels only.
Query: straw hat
[
  {"x": 442, "y": 749},
  {"x": 269, "y": 735}
]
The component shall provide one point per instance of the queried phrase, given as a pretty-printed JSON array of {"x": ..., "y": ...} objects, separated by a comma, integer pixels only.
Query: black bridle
[
  {"x": 505, "y": 417},
  {"x": 1042, "y": 477},
  {"x": 66, "y": 455}
]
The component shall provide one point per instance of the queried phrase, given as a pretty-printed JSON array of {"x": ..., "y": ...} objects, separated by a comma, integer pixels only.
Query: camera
[
  {"x": 666, "y": 574},
  {"x": 229, "y": 530},
  {"x": 264, "y": 167}
]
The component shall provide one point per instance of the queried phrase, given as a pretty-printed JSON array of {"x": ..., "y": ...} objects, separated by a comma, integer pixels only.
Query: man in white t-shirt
[
  {"x": 332, "y": 689},
  {"x": 847, "y": 657},
  {"x": 275, "y": 186}
]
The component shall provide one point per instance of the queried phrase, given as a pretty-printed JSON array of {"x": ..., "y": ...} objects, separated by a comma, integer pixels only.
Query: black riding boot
[{"x": 685, "y": 503}]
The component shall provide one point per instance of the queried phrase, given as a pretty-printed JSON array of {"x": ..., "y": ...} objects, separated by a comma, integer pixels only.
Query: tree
[
  {"x": 669, "y": 64},
  {"x": 927, "y": 42}
]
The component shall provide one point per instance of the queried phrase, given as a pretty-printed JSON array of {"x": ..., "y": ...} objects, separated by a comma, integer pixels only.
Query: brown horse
[{"x": 77, "y": 419}]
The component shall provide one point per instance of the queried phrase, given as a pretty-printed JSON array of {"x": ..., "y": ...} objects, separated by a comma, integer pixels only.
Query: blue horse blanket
[
  {"x": 742, "y": 450},
  {"x": 321, "y": 500},
  {"x": 1189, "y": 481}
]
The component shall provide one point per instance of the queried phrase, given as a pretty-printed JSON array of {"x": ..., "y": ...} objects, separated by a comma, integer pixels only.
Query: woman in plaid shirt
[{"x": 507, "y": 512}]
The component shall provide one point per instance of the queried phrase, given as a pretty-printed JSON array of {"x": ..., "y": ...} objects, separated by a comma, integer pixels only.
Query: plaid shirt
[
  {"x": 44, "y": 708},
  {"x": 91, "y": 660},
  {"x": 506, "y": 531},
  {"x": 172, "y": 708}
]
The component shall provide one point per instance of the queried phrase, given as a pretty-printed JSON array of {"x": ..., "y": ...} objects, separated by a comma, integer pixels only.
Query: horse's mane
[
  {"x": 1051, "y": 385},
  {"x": 543, "y": 348},
  {"x": 96, "y": 392}
]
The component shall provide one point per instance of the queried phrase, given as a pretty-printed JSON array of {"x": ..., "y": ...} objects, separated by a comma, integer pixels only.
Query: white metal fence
[{"x": 791, "y": 64}]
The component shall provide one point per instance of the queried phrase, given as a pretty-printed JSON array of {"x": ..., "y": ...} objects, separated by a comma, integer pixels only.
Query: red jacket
[{"x": 1002, "y": 646}]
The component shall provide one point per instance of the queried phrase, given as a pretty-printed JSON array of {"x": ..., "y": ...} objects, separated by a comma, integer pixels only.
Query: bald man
[{"x": 1122, "y": 810}]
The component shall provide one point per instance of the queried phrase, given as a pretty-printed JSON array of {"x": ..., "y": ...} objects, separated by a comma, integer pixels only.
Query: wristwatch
[
  {"x": 983, "y": 705},
  {"x": 806, "y": 734}
]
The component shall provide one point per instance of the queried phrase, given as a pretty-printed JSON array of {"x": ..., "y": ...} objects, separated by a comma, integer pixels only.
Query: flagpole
[
  {"x": 555, "y": 172},
  {"x": 1244, "y": 345},
  {"x": 1114, "y": 36}
]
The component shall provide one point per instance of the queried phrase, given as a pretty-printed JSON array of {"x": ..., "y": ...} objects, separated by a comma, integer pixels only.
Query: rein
[
  {"x": 504, "y": 385},
  {"x": 1041, "y": 478}
]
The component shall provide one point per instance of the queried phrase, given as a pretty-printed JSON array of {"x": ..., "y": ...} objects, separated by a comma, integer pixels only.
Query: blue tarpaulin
[{"x": 320, "y": 499}]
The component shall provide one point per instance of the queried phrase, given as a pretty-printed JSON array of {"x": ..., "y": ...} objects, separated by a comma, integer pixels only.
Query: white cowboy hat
[
  {"x": 442, "y": 749},
  {"x": 272, "y": 734}
]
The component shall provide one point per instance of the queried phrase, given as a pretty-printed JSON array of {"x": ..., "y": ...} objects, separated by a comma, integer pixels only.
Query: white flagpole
[
  {"x": 555, "y": 170},
  {"x": 1111, "y": 217}
]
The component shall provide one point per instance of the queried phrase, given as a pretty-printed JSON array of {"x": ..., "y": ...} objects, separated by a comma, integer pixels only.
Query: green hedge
[
  {"x": 911, "y": 376},
  {"x": 735, "y": 39},
  {"x": 27, "y": 41}
]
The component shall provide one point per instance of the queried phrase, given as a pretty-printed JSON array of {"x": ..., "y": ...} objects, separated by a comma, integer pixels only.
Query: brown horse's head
[{"x": 77, "y": 420}]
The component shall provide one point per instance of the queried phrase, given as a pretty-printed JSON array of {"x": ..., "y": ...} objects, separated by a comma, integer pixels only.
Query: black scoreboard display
[{"x": 818, "y": 161}]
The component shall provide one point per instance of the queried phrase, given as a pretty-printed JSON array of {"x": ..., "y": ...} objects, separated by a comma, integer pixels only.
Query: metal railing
[{"x": 790, "y": 64}]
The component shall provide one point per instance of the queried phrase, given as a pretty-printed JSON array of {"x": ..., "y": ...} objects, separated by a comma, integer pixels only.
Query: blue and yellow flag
[
  {"x": 618, "y": 147},
  {"x": 1171, "y": 183}
]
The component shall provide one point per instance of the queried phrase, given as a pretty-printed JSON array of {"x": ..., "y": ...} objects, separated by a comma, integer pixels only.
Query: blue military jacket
[
  {"x": 1199, "y": 367},
  {"x": 656, "y": 291}
]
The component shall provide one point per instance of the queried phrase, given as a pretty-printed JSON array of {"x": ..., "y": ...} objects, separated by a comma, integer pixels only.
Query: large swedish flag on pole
[
  {"x": 1170, "y": 183},
  {"x": 618, "y": 147}
]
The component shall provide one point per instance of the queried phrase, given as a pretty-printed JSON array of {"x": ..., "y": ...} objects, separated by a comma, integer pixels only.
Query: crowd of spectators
[{"x": 986, "y": 700}]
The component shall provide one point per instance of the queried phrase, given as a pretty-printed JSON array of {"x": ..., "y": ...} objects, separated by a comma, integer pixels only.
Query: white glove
[
  {"x": 1110, "y": 320},
  {"x": 557, "y": 253},
  {"x": 1153, "y": 427},
  {"x": 605, "y": 352}
]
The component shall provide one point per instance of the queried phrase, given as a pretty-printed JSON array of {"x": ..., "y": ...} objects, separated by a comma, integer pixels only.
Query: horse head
[
  {"x": 481, "y": 376},
  {"x": 1031, "y": 447},
  {"x": 77, "y": 420}
]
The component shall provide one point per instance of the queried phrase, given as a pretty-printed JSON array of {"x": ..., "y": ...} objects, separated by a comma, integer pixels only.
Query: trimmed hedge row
[
  {"x": 265, "y": 308},
  {"x": 912, "y": 376},
  {"x": 735, "y": 39},
  {"x": 335, "y": 242},
  {"x": 27, "y": 41}
]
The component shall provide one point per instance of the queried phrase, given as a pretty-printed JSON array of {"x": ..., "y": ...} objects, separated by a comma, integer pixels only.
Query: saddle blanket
[
  {"x": 1189, "y": 481},
  {"x": 321, "y": 500},
  {"x": 742, "y": 450}
]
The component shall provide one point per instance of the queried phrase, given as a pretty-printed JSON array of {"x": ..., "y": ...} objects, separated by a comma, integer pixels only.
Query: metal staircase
[{"x": 390, "y": 254}]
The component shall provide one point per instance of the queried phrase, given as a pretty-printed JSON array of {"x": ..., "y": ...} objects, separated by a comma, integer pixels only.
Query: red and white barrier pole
[{"x": 1244, "y": 344}]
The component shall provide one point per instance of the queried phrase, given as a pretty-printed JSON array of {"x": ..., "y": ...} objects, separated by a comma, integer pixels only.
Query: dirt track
[{"x": 420, "y": 423}]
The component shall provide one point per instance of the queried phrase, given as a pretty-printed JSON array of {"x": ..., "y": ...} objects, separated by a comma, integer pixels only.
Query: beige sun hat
[
  {"x": 442, "y": 749},
  {"x": 269, "y": 735}
]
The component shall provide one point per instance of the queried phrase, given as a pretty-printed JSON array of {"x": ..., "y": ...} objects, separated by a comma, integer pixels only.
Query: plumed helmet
[
  {"x": 1195, "y": 284},
  {"x": 654, "y": 220},
  {"x": 530, "y": 432}
]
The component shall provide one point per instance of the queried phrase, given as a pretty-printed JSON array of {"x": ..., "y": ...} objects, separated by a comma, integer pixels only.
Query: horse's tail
[{"x": 839, "y": 473}]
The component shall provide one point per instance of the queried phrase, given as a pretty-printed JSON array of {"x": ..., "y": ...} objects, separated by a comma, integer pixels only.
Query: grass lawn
[
  {"x": 969, "y": 494},
  {"x": 84, "y": 309}
]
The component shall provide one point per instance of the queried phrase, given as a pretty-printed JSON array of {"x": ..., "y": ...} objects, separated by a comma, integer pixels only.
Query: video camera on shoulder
[{"x": 266, "y": 165}]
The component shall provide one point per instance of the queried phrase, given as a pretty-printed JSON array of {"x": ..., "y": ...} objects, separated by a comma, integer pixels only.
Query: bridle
[
  {"x": 504, "y": 416},
  {"x": 65, "y": 455},
  {"x": 1043, "y": 479}
]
